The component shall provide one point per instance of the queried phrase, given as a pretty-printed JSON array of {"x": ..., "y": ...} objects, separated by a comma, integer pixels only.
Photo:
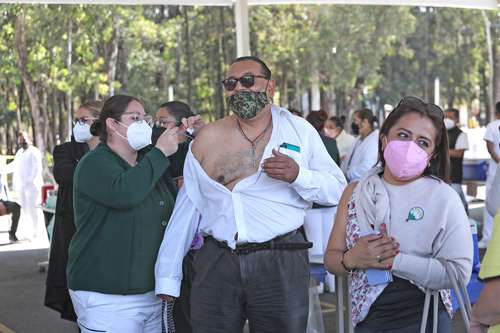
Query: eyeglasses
[
  {"x": 85, "y": 120},
  {"x": 247, "y": 81},
  {"x": 137, "y": 117},
  {"x": 417, "y": 103},
  {"x": 165, "y": 121}
]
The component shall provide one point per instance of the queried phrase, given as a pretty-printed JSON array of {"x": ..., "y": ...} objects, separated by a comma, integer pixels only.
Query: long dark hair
[
  {"x": 113, "y": 108},
  {"x": 439, "y": 165},
  {"x": 178, "y": 109}
]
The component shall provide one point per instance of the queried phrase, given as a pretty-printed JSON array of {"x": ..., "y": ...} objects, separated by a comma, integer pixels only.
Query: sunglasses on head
[
  {"x": 417, "y": 103},
  {"x": 247, "y": 81}
]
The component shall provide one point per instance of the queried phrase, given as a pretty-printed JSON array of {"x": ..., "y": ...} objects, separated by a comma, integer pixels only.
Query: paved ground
[{"x": 22, "y": 289}]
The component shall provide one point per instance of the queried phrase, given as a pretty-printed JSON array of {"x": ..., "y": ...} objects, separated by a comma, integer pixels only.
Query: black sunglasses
[
  {"x": 247, "y": 81},
  {"x": 417, "y": 103}
]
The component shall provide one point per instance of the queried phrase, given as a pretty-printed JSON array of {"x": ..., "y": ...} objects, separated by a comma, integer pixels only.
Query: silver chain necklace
[{"x": 254, "y": 142}]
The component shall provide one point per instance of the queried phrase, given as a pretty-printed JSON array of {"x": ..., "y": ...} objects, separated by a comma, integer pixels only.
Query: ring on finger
[{"x": 379, "y": 258}]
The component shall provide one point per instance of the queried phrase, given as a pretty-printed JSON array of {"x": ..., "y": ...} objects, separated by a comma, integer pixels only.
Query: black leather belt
[{"x": 274, "y": 244}]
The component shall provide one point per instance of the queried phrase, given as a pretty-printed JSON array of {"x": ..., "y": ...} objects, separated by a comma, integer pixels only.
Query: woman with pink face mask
[{"x": 396, "y": 226}]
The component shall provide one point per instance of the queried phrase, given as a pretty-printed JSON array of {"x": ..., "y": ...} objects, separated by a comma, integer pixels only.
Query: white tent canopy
[{"x": 241, "y": 8}]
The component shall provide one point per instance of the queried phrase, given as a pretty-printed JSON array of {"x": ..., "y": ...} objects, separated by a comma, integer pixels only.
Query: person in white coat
[
  {"x": 492, "y": 138},
  {"x": 364, "y": 154},
  {"x": 27, "y": 178}
]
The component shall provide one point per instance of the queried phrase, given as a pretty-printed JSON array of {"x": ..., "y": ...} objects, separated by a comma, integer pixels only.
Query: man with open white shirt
[{"x": 248, "y": 199}]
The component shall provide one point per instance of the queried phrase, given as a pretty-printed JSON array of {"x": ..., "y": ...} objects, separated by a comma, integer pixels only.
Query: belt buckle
[{"x": 239, "y": 251}]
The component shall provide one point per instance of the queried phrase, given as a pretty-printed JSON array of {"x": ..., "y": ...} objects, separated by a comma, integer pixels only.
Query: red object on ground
[{"x": 45, "y": 190}]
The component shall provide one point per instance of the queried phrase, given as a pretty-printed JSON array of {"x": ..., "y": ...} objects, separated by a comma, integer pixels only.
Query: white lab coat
[
  {"x": 27, "y": 181},
  {"x": 362, "y": 157},
  {"x": 26, "y": 169}
]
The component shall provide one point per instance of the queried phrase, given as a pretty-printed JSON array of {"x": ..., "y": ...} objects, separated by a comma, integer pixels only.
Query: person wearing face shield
[
  {"x": 122, "y": 205},
  {"x": 458, "y": 143},
  {"x": 395, "y": 228},
  {"x": 248, "y": 180},
  {"x": 27, "y": 180},
  {"x": 66, "y": 157}
]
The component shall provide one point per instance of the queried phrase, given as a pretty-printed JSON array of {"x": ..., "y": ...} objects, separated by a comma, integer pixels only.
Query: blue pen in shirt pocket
[{"x": 290, "y": 150}]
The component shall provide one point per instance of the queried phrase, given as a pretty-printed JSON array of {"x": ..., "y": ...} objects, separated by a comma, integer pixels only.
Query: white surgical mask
[
  {"x": 138, "y": 134},
  {"x": 448, "y": 123},
  {"x": 81, "y": 132}
]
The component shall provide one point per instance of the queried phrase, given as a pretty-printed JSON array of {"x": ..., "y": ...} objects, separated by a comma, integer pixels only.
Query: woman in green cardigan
[{"x": 122, "y": 205}]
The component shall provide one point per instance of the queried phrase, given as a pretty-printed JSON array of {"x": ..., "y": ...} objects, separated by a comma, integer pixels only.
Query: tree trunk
[
  {"x": 219, "y": 65},
  {"x": 113, "y": 54},
  {"x": 43, "y": 111},
  {"x": 122, "y": 65},
  {"x": 62, "y": 128},
  {"x": 22, "y": 62},
  {"x": 189, "y": 54},
  {"x": 282, "y": 84},
  {"x": 20, "y": 101},
  {"x": 222, "y": 38},
  {"x": 490, "y": 91},
  {"x": 178, "y": 60},
  {"x": 56, "y": 117},
  {"x": 69, "y": 64}
]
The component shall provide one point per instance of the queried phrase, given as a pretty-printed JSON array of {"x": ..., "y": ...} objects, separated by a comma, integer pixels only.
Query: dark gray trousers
[
  {"x": 14, "y": 209},
  {"x": 268, "y": 287}
]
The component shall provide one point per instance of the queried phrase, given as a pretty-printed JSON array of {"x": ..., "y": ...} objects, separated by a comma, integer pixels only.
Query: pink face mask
[{"x": 405, "y": 159}]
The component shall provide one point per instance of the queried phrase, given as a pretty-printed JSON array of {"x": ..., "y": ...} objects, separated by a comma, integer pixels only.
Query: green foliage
[{"x": 392, "y": 51}]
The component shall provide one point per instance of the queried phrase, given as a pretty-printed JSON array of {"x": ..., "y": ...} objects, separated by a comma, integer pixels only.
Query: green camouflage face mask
[{"x": 247, "y": 104}]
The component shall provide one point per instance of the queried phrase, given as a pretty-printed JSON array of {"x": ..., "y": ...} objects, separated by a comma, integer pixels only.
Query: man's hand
[
  {"x": 166, "y": 298},
  {"x": 281, "y": 167}
]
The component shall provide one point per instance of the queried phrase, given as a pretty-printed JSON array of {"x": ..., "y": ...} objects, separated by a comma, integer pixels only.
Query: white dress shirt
[
  {"x": 258, "y": 209},
  {"x": 362, "y": 157}
]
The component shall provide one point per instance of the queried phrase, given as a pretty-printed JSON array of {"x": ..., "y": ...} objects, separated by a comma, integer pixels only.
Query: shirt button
[
  {"x": 164, "y": 223},
  {"x": 162, "y": 203}
]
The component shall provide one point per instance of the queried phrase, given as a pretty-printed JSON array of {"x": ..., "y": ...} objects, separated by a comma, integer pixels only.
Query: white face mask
[
  {"x": 138, "y": 134},
  {"x": 448, "y": 123},
  {"x": 81, "y": 132}
]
